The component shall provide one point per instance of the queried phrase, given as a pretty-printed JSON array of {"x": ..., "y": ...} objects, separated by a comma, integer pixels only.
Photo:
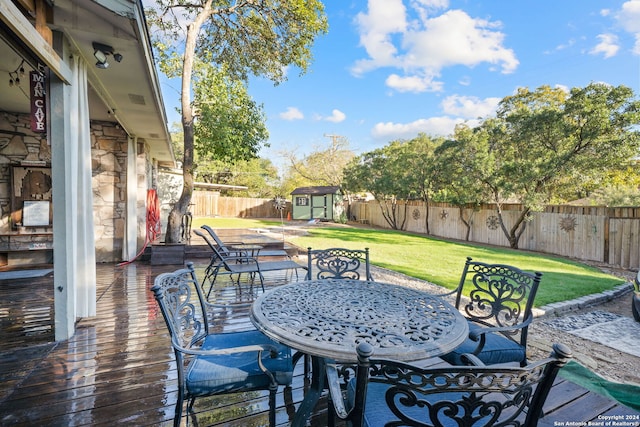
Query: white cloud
[
  {"x": 563, "y": 46},
  {"x": 336, "y": 116},
  {"x": 436, "y": 126},
  {"x": 629, "y": 18},
  {"x": 608, "y": 45},
  {"x": 421, "y": 46},
  {"x": 413, "y": 84},
  {"x": 455, "y": 38},
  {"x": 469, "y": 107},
  {"x": 292, "y": 113},
  {"x": 384, "y": 18},
  {"x": 465, "y": 81}
]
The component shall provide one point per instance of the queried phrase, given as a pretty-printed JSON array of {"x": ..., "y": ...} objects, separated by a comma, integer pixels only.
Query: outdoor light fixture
[
  {"x": 14, "y": 76},
  {"x": 101, "y": 51}
]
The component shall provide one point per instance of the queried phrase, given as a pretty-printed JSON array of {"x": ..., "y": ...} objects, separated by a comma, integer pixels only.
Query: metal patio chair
[
  {"x": 226, "y": 248},
  {"x": 386, "y": 393},
  {"x": 215, "y": 363},
  {"x": 338, "y": 263},
  {"x": 238, "y": 265},
  {"x": 498, "y": 309}
]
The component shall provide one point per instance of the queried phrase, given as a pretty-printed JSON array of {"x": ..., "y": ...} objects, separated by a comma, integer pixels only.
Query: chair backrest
[
  {"x": 215, "y": 237},
  {"x": 183, "y": 307},
  {"x": 499, "y": 295},
  {"x": 217, "y": 247},
  {"x": 219, "y": 257},
  {"x": 454, "y": 396},
  {"x": 205, "y": 238},
  {"x": 338, "y": 263}
]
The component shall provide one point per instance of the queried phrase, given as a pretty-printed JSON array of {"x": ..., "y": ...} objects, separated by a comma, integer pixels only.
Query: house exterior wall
[{"x": 18, "y": 144}]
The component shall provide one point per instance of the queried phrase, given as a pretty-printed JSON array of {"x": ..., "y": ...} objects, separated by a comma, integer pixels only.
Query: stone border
[{"x": 564, "y": 307}]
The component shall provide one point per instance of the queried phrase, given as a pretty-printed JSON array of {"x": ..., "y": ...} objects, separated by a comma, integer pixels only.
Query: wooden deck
[{"x": 118, "y": 369}]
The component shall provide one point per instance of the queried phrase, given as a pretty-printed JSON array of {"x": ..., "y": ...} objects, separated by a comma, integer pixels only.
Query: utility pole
[{"x": 334, "y": 139}]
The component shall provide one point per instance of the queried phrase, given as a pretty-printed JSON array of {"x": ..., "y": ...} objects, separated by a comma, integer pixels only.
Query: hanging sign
[{"x": 38, "y": 103}]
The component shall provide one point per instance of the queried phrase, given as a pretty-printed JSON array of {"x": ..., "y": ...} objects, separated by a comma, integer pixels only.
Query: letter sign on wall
[{"x": 38, "y": 104}]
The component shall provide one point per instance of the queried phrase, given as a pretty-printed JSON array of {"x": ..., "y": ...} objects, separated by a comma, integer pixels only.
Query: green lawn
[
  {"x": 234, "y": 222},
  {"x": 440, "y": 261}
]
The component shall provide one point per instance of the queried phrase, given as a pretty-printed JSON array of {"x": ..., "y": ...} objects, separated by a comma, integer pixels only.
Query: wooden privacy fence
[
  {"x": 589, "y": 233},
  {"x": 607, "y": 235},
  {"x": 211, "y": 204}
]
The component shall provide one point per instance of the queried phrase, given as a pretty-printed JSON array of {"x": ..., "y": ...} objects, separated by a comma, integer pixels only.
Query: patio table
[{"x": 327, "y": 318}]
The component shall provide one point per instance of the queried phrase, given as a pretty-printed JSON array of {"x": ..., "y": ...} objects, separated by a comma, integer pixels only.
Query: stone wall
[
  {"x": 19, "y": 144},
  {"x": 109, "y": 172}
]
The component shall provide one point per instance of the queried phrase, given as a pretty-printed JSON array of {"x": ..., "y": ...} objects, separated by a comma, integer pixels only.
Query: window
[{"x": 302, "y": 201}]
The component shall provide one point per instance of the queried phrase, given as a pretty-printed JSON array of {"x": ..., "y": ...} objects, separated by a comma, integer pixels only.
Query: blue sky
[{"x": 390, "y": 69}]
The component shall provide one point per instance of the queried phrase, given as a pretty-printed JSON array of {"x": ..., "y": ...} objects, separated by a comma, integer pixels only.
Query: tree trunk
[
  {"x": 174, "y": 223},
  {"x": 467, "y": 223},
  {"x": 426, "y": 215},
  {"x": 513, "y": 235}
]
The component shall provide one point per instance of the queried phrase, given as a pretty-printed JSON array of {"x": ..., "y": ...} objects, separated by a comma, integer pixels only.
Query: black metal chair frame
[
  {"x": 182, "y": 310},
  {"x": 500, "y": 301},
  {"x": 225, "y": 247},
  {"x": 459, "y": 395},
  {"x": 338, "y": 263},
  {"x": 240, "y": 264},
  {"x": 223, "y": 250}
]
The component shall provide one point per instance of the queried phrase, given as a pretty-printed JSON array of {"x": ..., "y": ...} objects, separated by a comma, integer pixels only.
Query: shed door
[{"x": 319, "y": 207}]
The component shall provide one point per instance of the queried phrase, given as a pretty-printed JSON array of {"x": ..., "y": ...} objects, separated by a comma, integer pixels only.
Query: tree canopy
[
  {"x": 323, "y": 166},
  {"x": 543, "y": 145},
  {"x": 241, "y": 38}
]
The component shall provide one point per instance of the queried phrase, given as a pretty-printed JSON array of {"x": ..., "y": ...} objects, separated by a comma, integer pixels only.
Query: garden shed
[{"x": 319, "y": 202}]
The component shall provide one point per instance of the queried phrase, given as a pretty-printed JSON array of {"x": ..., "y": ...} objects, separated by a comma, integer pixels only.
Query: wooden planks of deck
[{"x": 118, "y": 368}]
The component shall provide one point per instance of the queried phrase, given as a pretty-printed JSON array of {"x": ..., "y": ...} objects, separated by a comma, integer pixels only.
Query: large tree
[
  {"x": 385, "y": 174},
  {"x": 462, "y": 176},
  {"x": 548, "y": 142},
  {"x": 245, "y": 37},
  {"x": 419, "y": 158},
  {"x": 323, "y": 166}
]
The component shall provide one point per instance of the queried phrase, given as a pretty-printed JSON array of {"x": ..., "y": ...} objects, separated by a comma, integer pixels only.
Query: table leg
[{"x": 311, "y": 397}]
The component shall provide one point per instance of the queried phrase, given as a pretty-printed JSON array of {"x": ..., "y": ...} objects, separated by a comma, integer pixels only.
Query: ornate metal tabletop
[{"x": 328, "y": 318}]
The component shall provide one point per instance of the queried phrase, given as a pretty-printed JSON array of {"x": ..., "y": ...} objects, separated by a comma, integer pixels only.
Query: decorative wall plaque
[
  {"x": 35, "y": 213},
  {"x": 568, "y": 223},
  {"x": 493, "y": 222}
]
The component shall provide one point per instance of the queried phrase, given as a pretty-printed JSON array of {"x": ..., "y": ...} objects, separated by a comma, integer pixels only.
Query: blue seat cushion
[
  {"x": 240, "y": 371},
  {"x": 497, "y": 349}
]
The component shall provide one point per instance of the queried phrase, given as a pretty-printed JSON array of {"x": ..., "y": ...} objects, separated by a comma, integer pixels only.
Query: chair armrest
[
  {"x": 471, "y": 360},
  {"x": 214, "y": 305},
  {"x": 446, "y": 294},
  {"x": 475, "y": 335},
  {"x": 226, "y": 351},
  {"x": 335, "y": 391}
]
